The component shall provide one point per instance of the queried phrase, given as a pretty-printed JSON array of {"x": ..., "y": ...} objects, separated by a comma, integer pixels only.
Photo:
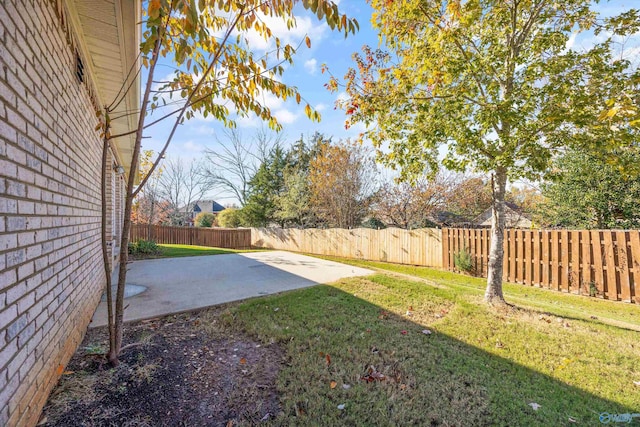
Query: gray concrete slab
[{"x": 180, "y": 284}]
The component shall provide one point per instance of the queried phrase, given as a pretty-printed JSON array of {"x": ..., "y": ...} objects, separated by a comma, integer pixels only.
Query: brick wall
[{"x": 51, "y": 273}]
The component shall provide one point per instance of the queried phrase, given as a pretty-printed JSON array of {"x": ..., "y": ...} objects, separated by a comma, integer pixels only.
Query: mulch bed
[{"x": 187, "y": 369}]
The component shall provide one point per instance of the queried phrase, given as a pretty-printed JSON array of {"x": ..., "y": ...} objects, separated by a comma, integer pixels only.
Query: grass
[
  {"x": 170, "y": 251},
  {"x": 562, "y": 304},
  {"x": 479, "y": 366}
]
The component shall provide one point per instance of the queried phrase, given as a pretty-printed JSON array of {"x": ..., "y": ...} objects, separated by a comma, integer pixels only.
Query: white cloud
[
  {"x": 342, "y": 96},
  {"x": 304, "y": 25},
  {"x": 285, "y": 117},
  {"x": 321, "y": 107},
  {"x": 193, "y": 147},
  {"x": 311, "y": 66}
]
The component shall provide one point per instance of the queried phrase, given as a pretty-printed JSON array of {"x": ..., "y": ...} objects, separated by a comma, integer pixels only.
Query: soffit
[{"x": 110, "y": 39}]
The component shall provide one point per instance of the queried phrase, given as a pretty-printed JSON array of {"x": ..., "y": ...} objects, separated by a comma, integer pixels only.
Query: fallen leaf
[
  {"x": 426, "y": 332},
  {"x": 637, "y": 383},
  {"x": 535, "y": 406},
  {"x": 333, "y": 384},
  {"x": 68, "y": 372},
  {"x": 328, "y": 358},
  {"x": 373, "y": 375},
  {"x": 276, "y": 309},
  {"x": 403, "y": 386},
  {"x": 403, "y": 332},
  {"x": 346, "y": 386},
  {"x": 243, "y": 361},
  {"x": 341, "y": 406},
  {"x": 572, "y": 420},
  {"x": 59, "y": 369}
]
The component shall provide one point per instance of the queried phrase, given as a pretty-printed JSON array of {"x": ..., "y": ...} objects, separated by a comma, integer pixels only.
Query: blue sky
[{"x": 327, "y": 47}]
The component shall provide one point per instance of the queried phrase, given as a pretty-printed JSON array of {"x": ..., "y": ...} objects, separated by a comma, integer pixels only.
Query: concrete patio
[{"x": 173, "y": 285}]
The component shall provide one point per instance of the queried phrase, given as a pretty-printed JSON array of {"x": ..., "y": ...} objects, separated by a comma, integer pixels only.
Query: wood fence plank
[
  {"x": 634, "y": 263},
  {"x": 526, "y": 238},
  {"x": 623, "y": 266},
  {"x": 445, "y": 249},
  {"x": 555, "y": 260},
  {"x": 535, "y": 235},
  {"x": 598, "y": 270},
  {"x": 519, "y": 272},
  {"x": 512, "y": 254},
  {"x": 574, "y": 250},
  {"x": 545, "y": 244},
  {"x": 564, "y": 260},
  {"x": 586, "y": 263},
  {"x": 611, "y": 288},
  {"x": 505, "y": 257}
]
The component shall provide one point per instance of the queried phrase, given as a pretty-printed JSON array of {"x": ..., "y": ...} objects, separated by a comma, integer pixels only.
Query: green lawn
[
  {"x": 479, "y": 366},
  {"x": 190, "y": 250}
]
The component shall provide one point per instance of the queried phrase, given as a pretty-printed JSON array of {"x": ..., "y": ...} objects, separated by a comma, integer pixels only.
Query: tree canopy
[
  {"x": 589, "y": 192},
  {"x": 488, "y": 84}
]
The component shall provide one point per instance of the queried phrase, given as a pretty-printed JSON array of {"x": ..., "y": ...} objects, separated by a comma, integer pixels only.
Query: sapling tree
[
  {"x": 489, "y": 86},
  {"x": 216, "y": 74}
]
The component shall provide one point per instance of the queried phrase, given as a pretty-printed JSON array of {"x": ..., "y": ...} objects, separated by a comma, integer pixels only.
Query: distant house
[
  {"x": 448, "y": 219},
  {"x": 203, "y": 206},
  {"x": 515, "y": 217}
]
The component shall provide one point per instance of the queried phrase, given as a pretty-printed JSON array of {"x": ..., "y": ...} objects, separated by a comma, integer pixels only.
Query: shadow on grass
[{"x": 430, "y": 379}]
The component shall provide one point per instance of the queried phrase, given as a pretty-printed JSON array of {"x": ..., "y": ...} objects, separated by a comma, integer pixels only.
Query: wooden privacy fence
[
  {"x": 212, "y": 237},
  {"x": 416, "y": 247},
  {"x": 604, "y": 263}
]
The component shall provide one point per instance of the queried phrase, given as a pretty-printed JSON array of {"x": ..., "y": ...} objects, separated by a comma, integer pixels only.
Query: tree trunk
[
  {"x": 493, "y": 294},
  {"x": 105, "y": 251}
]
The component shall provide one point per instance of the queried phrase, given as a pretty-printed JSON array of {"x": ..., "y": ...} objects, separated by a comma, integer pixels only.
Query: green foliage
[
  {"x": 463, "y": 261},
  {"x": 230, "y": 218},
  {"x": 374, "y": 223},
  {"x": 143, "y": 247},
  {"x": 588, "y": 191},
  {"x": 293, "y": 203},
  {"x": 204, "y": 219},
  {"x": 264, "y": 187}
]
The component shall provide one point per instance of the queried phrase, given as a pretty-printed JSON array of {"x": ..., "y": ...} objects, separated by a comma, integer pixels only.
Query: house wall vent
[{"x": 79, "y": 68}]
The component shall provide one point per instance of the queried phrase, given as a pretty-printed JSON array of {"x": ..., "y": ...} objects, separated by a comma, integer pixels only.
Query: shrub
[
  {"x": 143, "y": 247},
  {"x": 230, "y": 218},
  {"x": 204, "y": 219},
  {"x": 463, "y": 261},
  {"x": 374, "y": 223}
]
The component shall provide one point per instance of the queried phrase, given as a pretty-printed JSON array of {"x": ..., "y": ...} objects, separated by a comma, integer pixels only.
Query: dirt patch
[{"x": 188, "y": 369}]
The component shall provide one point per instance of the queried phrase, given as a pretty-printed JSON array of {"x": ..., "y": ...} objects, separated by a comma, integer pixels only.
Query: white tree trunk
[{"x": 493, "y": 293}]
